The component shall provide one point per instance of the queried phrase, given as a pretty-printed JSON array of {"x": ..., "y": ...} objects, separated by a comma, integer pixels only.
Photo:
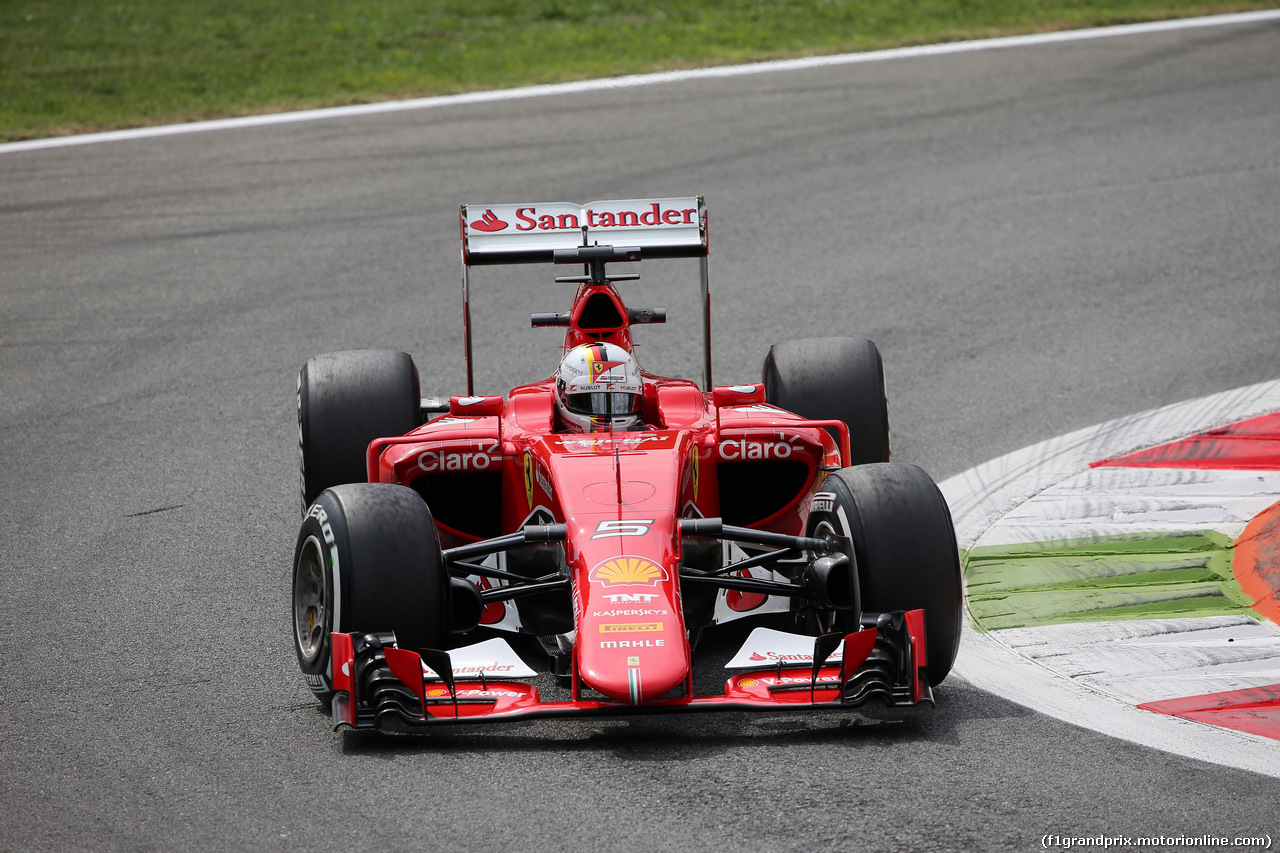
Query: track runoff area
[
  {"x": 1126, "y": 577},
  {"x": 634, "y": 80}
]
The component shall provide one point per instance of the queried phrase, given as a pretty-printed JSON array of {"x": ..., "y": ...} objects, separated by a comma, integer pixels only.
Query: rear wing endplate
[{"x": 532, "y": 233}]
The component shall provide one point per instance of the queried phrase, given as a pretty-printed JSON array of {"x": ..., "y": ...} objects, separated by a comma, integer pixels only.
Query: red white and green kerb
[{"x": 1138, "y": 562}]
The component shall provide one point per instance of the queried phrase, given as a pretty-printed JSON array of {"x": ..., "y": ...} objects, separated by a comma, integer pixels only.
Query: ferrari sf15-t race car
[{"x": 619, "y": 517}]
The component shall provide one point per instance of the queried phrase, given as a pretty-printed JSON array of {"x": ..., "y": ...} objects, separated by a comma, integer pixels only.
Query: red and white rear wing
[{"x": 531, "y": 233}]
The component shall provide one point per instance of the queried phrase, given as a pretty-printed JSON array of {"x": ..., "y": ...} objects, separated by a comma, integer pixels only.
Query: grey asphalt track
[{"x": 1038, "y": 238}]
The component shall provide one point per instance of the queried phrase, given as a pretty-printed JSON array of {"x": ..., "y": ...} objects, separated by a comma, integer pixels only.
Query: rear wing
[{"x": 532, "y": 233}]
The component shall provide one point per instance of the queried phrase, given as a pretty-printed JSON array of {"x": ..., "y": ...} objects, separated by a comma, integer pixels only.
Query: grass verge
[{"x": 70, "y": 66}]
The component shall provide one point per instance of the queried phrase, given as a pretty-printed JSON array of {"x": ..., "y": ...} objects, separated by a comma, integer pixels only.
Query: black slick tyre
[
  {"x": 905, "y": 548},
  {"x": 833, "y": 379},
  {"x": 345, "y": 401},
  {"x": 367, "y": 559}
]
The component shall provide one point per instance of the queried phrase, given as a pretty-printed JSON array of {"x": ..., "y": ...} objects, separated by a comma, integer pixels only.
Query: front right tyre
[{"x": 367, "y": 559}]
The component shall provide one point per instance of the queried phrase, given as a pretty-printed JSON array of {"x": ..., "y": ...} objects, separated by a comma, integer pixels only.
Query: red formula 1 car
[{"x": 618, "y": 517}]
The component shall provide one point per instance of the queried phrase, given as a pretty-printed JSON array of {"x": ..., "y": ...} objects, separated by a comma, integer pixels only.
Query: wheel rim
[
  {"x": 309, "y": 616},
  {"x": 824, "y": 530}
]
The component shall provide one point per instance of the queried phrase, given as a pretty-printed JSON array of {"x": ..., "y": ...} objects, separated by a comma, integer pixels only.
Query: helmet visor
[{"x": 604, "y": 403}]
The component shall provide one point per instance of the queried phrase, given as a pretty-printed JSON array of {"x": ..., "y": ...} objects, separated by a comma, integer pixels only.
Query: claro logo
[
  {"x": 738, "y": 449},
  {"x": 482, "y": 458}
]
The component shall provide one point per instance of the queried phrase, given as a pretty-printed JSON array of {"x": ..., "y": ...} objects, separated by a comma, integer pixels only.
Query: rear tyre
[
  {"x": 833, "y": 379},
  {"x": 367, "y": 559},
  {"x": 345, "y": 401},
  {"x": 905, "y": 547}
]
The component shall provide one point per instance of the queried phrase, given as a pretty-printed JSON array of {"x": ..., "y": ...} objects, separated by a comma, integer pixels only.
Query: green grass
[{"x": 69, "y": 66}]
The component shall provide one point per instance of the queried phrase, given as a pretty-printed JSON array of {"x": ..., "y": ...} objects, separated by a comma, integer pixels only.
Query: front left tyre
[
  {"x": 904, "y": 547},
  {"x": 367, "y": 559},
  {"x": 833, "y": 379}
]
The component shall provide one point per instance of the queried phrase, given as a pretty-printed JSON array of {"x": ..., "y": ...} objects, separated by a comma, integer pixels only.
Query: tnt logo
[{"x": 629, "y": 598}]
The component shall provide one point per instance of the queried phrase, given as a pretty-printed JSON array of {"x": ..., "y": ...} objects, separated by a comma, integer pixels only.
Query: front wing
[{"x": 380, "y": 686}]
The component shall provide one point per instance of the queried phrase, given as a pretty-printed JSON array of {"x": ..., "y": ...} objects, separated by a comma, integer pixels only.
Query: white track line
[
  {"x": 634, "y": 80},
  {"x": 982, "y": 496}
]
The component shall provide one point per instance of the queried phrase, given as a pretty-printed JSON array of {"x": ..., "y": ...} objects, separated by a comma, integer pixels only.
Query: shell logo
[
  {"x": 437, "y": 692},
  {"x": 628, "y": 571},
  {"x": 747, "y": 682}
]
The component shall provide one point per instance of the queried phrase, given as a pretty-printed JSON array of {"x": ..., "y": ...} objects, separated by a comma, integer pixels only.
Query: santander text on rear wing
[
  {"x": 638, "y": 229},
  {"x": 531, "y": 233}
]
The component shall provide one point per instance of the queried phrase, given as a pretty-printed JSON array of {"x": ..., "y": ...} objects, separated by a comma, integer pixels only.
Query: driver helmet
[{"x": 597, "y": 382}]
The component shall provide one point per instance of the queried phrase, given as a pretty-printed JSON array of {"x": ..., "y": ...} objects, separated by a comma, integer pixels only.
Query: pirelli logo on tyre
[{"x": 823, "y": 502}]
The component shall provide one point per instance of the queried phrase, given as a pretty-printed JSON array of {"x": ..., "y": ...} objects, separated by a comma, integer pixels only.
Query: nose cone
[
  {"x": 619, "y": 496},
  {"x": 631, "y": 640}
]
